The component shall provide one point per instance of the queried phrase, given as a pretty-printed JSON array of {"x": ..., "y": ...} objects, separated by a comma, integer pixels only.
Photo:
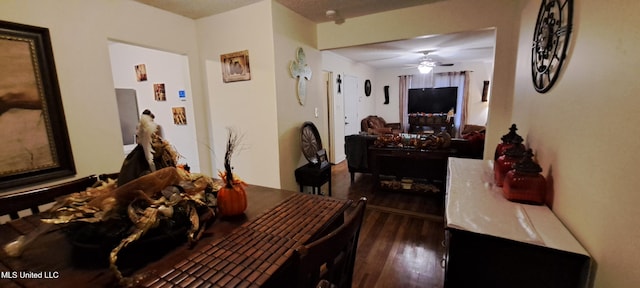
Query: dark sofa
[{"x": 373, "y": 124}]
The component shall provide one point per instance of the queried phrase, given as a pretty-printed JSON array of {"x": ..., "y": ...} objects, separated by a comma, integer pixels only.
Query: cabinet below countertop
[{"x": 493, "y": 242}]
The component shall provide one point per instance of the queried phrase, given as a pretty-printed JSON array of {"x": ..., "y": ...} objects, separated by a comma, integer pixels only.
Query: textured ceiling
[
  {"x": 450, "y": 48},
  {"x": 314, "y": 10},
  {"x": 468, "y": 46}
]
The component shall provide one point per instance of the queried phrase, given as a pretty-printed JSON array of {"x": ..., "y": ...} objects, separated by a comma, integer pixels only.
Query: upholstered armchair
[
  {"x": 377, "y": 125},
  {"x": 471, "y": 145}
]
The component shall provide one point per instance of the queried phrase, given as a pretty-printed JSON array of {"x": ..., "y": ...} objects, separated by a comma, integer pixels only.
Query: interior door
[
  {"x": 336, "y": 121},
  {"x": 351, "y": 123},
  {"x": 128, "y": 111}
]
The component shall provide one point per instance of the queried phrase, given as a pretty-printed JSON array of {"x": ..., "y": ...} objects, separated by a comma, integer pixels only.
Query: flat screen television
[{"x": 432, "y": 100}]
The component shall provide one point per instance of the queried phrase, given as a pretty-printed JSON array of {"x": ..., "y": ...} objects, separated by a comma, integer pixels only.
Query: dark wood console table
[
  {"x": 492, "y": 242},
  {"x": 411, "y": 163}
]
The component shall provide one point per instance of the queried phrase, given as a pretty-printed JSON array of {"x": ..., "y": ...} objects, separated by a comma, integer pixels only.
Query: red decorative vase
[
  {"x": 505, "y": 162},
  {"x": 507, "y": 142},
  {"x": 524, "y": 183}
]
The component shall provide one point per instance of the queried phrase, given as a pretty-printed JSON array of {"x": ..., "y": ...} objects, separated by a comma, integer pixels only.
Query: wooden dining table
[{"x": 253, "y": 250}]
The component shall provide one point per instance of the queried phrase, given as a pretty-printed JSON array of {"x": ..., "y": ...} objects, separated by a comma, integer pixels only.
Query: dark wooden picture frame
[
  {"x": 485, "y": 91},
  {"x": 33, "y": 128}
]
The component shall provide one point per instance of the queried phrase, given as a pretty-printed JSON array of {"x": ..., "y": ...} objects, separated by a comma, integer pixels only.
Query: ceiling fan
[{"x": 427, "y": 63}]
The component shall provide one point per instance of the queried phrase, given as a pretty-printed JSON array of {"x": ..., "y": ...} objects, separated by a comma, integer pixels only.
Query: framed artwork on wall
[
  {"x": 179, "y": 115},
  {"x": 235, "y": 66},
  {"x": 141, "y": 72},
  {"x": 485, "y": 91},
  {"x": 35, "y": 141},
  {"x": 367, "y": 87},
  {"x": 159, "y": 93}
]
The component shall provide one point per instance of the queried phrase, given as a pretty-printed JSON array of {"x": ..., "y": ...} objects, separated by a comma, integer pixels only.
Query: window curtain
[
  {"x": 437, "y": 80},
  {"x": 460, "y": 80},
  {"x": 405, "y": 85}
]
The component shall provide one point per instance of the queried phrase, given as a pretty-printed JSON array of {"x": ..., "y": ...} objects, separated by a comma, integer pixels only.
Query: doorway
[
  {"x": 129, "y": 116},
  {"x": 169, "y": 71},
  {"x": 351, "y": 105},
  {"x": 336, "y": 117},
  {"x": 342, "y": 97}
]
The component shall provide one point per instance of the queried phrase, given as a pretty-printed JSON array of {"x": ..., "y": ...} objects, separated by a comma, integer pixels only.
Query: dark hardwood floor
[{"x": 401, "y": 236}]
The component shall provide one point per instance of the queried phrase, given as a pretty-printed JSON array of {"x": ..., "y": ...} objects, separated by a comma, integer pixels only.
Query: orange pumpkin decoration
[{"x": 232, "y": 199}]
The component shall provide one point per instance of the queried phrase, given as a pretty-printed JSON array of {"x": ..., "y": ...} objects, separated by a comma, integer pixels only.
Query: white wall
[
  {"x": 443, "y": 17},
  {"x": 340, "y": 65},
  {"x": 579, "y": 129},
  {"x": 247, "y": 106},
  {"x": 585, "y": 130},
  {"x": 292, "y": 31},
  {"x": 173, "y": 71},
  {"x": 80, "y": 32},
  {"x": 582, "y": 130},
  {"x": 478, "y": 110}
]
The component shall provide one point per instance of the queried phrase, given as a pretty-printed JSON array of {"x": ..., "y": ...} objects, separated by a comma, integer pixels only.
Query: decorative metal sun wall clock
[{"x": 550, "y": 42}]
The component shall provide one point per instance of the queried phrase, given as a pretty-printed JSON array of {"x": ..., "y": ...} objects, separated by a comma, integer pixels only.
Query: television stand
[{"x": 425, "y": 122}]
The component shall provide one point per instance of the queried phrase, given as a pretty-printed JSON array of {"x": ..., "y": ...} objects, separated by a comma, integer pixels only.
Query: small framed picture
[
  {"x": 235, "y": 66},
  {"x": 141, "y": 72},
  {"x": 485, "y": 91},
  {"x": 321, "y": 155},
  {"x": 159, "y": 93},
  {"x": 179, "y": 115}
]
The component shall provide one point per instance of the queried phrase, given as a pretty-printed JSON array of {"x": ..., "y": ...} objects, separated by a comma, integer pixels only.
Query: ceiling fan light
[
  {"x": 424, "y": 69},
  {"x": 335, "y": 15},
  {"x": 331, "y": 13}
]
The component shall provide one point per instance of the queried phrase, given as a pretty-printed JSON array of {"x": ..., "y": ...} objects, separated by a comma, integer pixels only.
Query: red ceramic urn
[
  {"x": 507, "y": 142},
  {"x": 506, "y": 161},
  {"x": 524, "y": 183}
]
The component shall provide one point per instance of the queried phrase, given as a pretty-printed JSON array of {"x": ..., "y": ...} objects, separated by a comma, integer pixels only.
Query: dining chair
[
  {"x": 106, "y": 176},
  {"x": 11, "y": 204},
  {"x": 331, "y": 257}
]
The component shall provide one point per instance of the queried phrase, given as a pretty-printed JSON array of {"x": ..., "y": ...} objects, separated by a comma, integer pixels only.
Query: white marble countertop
[{"x": 475, "y": 204}]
